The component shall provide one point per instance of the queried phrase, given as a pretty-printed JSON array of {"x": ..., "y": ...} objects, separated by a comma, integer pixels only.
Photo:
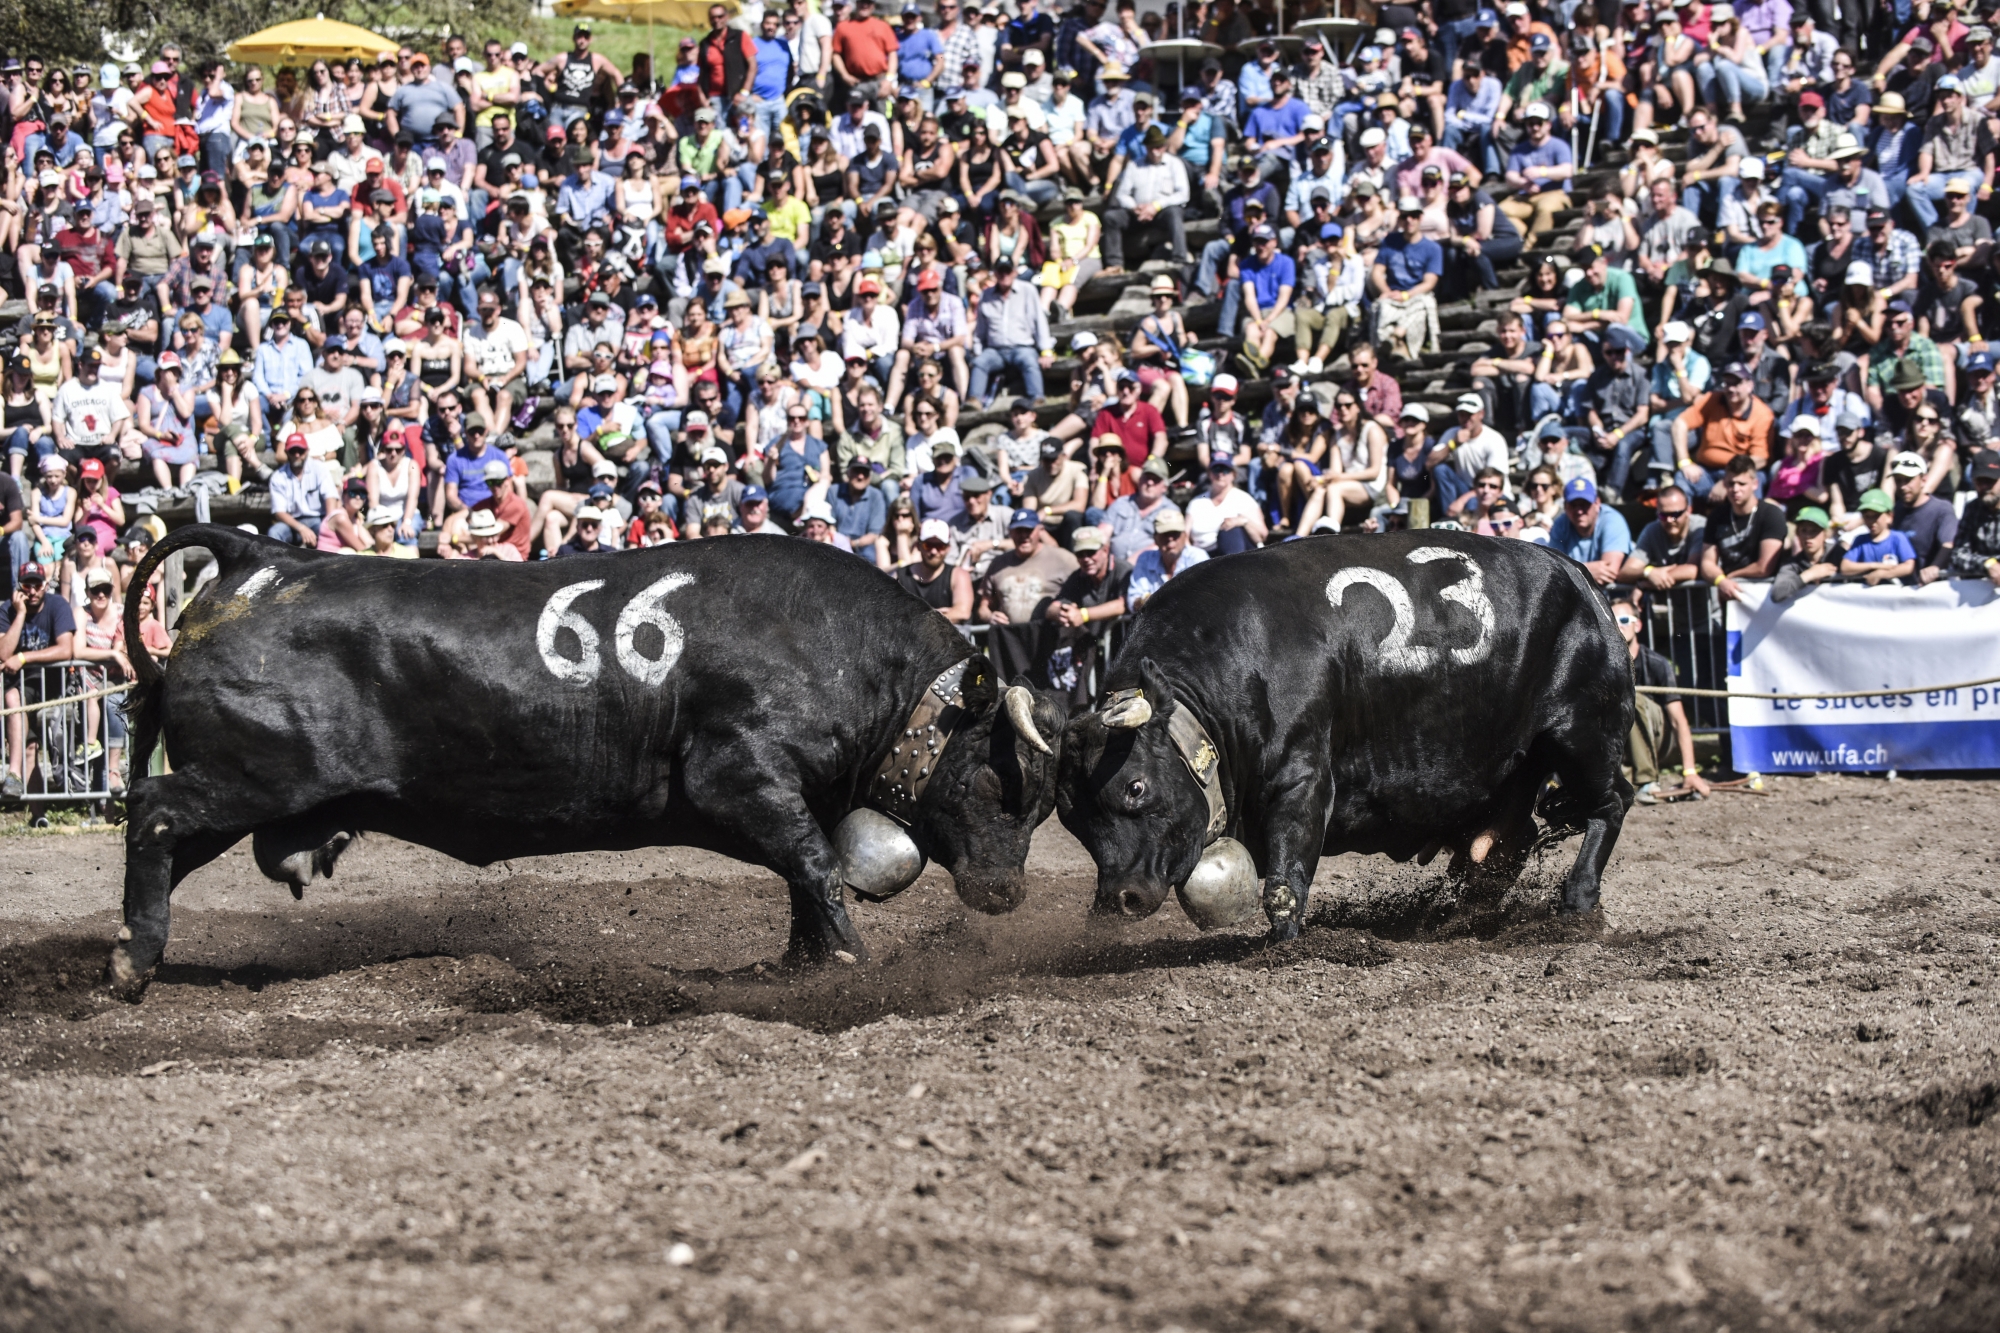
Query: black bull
[
  {"x": 737, "y": 695},
  {"x": 1398, "y": 694}
]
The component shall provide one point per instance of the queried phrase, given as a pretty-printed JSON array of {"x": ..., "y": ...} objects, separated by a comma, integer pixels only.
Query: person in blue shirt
[
  {"x": 1539, "y": 168},
  {"x": 1199, "y": 139},
  {"x": 465, "y": 485},
  {"x": 584, "y": 201},
  {"x": 774, "y": 76},
  {"x": 280, "y": 366},
  {"x": 1406, "y": 272},
  {"x": 385, "y": 279},
  {"x": 861, "y": 511},
  {"x": 1274, "y": 131},
  {"x": 1269, "y": 279},
  {"x": 918, "y": 52},
  {"x": 1595, "y": 537},
  {"x": 1884, "y": 555}
]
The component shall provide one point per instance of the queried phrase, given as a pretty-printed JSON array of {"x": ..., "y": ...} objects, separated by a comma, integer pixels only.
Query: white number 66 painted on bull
[
  {"x": 1398, "y": 654},
  {"x": 644, "y": 609}
]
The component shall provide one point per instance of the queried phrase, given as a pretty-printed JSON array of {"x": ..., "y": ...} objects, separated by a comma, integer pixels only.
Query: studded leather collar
[{"x": 898, "y": 786}]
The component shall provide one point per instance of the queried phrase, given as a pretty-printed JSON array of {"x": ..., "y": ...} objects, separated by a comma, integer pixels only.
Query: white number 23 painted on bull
[
  {"x": 644, "y": 609},
  {"x": 1398, "y": 653}
]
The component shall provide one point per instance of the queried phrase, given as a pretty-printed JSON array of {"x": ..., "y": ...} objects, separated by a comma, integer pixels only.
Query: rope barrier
[
  {"x": 1845, "y": 694},
  {"x": 65, "y": 699}
]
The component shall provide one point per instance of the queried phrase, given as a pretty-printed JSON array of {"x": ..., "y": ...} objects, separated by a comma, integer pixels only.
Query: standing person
[
  {"x": 862, "y": 48},
  {"x": 37, "y": 626},
  {"x": 573, "y": 78},
  {"x": 1651, "y": 715}
]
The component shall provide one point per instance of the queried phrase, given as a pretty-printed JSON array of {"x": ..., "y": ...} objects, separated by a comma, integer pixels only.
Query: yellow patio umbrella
[{"x": 305, "y": 40}]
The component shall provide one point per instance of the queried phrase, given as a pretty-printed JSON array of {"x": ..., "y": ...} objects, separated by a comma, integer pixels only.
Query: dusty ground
[{"x": 1761, "y": 1093}]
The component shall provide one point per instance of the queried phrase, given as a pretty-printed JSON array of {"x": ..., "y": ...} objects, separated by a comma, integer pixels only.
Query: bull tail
[{"x": 145, "y": 705}]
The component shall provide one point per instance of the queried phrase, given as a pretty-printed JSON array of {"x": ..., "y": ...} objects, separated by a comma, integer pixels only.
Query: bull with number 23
[
  {"x": 778, "y": 701},
  {"x": 1401, "y": 694}
]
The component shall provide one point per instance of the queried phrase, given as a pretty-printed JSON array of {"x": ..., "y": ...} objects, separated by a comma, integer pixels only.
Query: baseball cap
[
  {"x": 1415, "y": 412},
  {"x": 1750, "y": 169},
  {"x": 1169, "y": 519},
  {"x": 1580, "y": 488},
  {"x": 1024, "y": 519},
  {"x": 934, "y": 530},
  {"x": 1085, "y": 540},
  {"x": 1876, "y": 501},
  {"x": 1958, "y": 185},
  {"x": 32, "y": 571},
  {"x": 1986, "y": 465},
  {"x": 1540, "y": 43},
  {"x": 1155, "y": 467},
  {"x": 1735, "y": 370},
  {"x": 694, "y": 421},
  {"x": 1908, "y": 464},
  {"x": 1805, "y": 424},
  {"x": 1812, "y": 100},
  {"x": 1752, "y": 322},
  {"x": 1816, "y": 516},
  {"x": 975, "y": 485},
  {"x": 1676, "y": 331},
  {"x": 1539, "y": 111},
  {"x": 1225, "y": 384},
  {"x": 1979, "y": 363},
  {"x": 754, "y": 495},
  {"x": 1860, "y": 273},
  {"x": 714, "y": 455},
  {"x": 1849, "y": 421},
  {"x": 1469, "y": 402},
  {"x": 297, "y": 442}
]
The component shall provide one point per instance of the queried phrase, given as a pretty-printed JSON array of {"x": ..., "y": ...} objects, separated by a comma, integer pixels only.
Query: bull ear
[{"x": 1158, "y": 692}]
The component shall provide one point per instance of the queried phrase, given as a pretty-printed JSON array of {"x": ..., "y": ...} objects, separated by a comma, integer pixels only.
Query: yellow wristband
[
  {"x": 1717, "y": 580},
  {"x": 1992, "y": 560},
  {"x": 1648, "y": 569},
  {"x": 1086, "y": 614}
]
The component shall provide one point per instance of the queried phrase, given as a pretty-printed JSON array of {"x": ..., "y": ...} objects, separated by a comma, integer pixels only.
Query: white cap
[
  {"x": 716, "y": 455},
  {"x": 1860, "y": 274},
  {"x": 382, "y": 516},
  {"x": 1805, "y": 424},
  {"x": 1469, "y": 402},
  {"x": 1082, "y": 340},
  {"x": 518, "y": 49},
  {"x": 944, "y": 437},
  {"x": 1223, "y": 383},
  {"x": 934, "y": 530},
  {"x": 1372, "y": 136},
  {"x": 1676, "y": 331},
  {"x": 1539, "y": 111},
  {"x": 818, "y": 509},
  {"x": 1415, "y": 412},
  {"x": 1751, "y": 169},
  {"x": 589, "y": 514},
  {"x": 1908, "y": 464},
  {"x": 353, "y": 124},
  {"x": 604, "y": 468}
]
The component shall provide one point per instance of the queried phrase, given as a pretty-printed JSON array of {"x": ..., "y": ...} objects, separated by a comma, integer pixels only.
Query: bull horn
[
  {"x": 1128, "y": 711},
  {"x": 1021, "y": 711}
]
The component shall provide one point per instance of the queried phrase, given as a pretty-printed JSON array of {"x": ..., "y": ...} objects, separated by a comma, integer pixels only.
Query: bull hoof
[
  {"x": 125, "y": 980},
  {"x": 1572, "y": 907},
  {"x": 1283, "y": 931},
  {"x": 810, "y": 958}
]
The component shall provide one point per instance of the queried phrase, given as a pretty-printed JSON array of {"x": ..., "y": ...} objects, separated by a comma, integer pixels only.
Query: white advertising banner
[{"x": 1842, "y": 637}]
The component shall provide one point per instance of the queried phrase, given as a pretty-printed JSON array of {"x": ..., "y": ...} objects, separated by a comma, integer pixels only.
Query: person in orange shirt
[
  {"x": 1733, "y": 421},
  {"x": 1593, "y": 72},
  {"x": 1521, "y": 32}
]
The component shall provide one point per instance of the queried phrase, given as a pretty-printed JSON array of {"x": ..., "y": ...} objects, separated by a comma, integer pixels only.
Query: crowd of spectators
[{"x": 789, "y": 284}]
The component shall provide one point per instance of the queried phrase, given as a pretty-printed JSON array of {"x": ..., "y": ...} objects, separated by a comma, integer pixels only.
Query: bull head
[
  {"x": 1126, "y": 794},
  {"x": 995, "y": 783}
]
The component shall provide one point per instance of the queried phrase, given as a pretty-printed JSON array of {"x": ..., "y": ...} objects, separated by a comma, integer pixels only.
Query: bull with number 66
[
  {"x": 1404, "y": 694},
  {"x": 778, "y": 701}
]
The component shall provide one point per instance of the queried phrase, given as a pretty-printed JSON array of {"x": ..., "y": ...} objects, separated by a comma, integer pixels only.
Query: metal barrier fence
[
  {"x": 1687, "y": 626},
  {"x": 72, "y": 729}
]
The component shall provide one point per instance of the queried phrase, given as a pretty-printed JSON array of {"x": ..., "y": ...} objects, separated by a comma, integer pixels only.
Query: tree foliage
[{"x": 76, "y": 30}]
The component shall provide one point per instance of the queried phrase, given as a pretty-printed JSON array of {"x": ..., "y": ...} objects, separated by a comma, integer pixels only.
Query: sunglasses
[{"x": 1627, "y": 620}]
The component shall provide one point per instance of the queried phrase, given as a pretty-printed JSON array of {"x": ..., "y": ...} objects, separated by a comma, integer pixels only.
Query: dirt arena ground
[{"x": 1760, "y": 1093}]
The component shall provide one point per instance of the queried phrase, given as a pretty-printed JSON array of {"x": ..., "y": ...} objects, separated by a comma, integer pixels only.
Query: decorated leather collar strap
[
  {"x": 1198, "y": 752},
  {"x": 898, "y": 785}
]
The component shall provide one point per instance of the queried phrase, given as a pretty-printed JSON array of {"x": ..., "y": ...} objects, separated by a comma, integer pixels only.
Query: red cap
[
  {"x": 868, "y": 287},
  {"x": 169, "y": 361},
  {"x": 929, "y": 280},
  {"x": 374, "y": 164},
  {"x": 295, "y": 442},
  {"x": 90, "y": 467},
  {"x": 31, "y": 572},
  {"x": 1812, "y": 99}
]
